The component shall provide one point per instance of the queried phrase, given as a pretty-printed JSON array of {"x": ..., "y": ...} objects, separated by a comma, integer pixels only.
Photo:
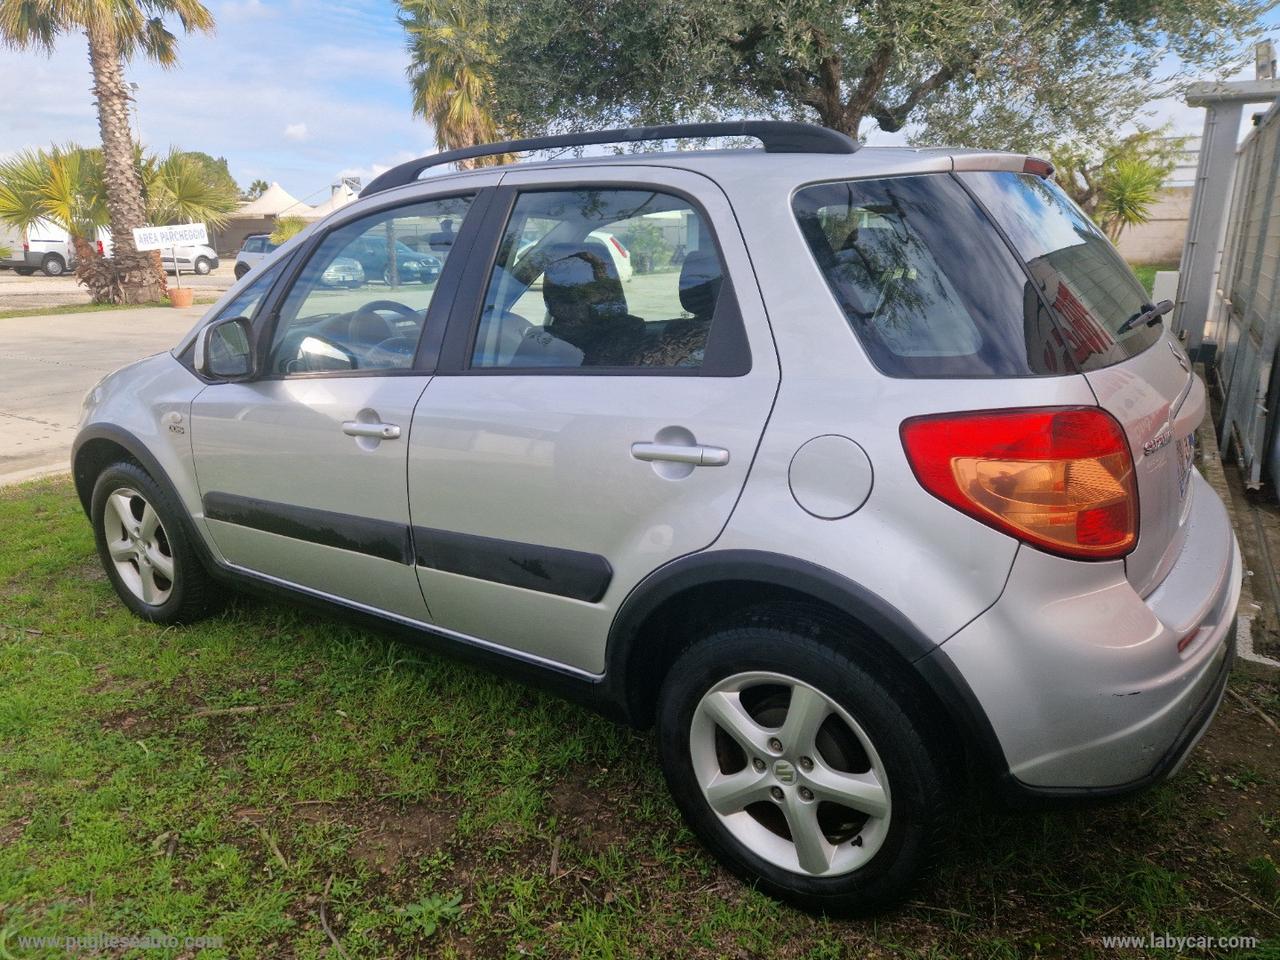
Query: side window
[
  {"x": 361, "y": 301},
  {"x": 600, "y": 278}
]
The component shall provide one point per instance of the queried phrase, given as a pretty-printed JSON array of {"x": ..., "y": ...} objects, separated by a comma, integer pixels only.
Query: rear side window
[
  {"x": 924, "y": 279},
  {"x": 1094, "y": 294}
]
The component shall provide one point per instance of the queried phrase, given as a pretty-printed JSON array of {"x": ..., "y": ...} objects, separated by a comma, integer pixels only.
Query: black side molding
[
  {"x": 564, "y": 573},
  {"x": 376, "y": 538}
]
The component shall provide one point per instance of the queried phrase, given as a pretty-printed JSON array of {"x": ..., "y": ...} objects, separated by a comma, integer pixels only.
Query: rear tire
[
  {"x": 862, "y": 784},
  {"x": 203, "y": 266},
  {"x": 24, "y": 271},
  {"x": 146, "y": 549},
  {"x": 53, "y": 265}
]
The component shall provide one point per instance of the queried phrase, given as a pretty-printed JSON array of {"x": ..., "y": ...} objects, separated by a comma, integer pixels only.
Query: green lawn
[
  {"x": 92, "y": 308},
  {"x": 418, "y": 806}
]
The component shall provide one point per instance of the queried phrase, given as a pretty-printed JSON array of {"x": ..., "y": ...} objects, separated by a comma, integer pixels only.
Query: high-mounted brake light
[
  {"x": 1058, "y": 478},
  {"x": 1041, "y": 168},
  {"x": 619, "y": 247}
]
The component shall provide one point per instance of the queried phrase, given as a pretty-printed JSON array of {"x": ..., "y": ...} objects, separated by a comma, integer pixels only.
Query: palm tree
[
  {"x": 116, "y": 30},
  {"x": 451, "y": 71},
  {"x": 66, "y": 186},
  {"x": 256, "y": 189}
]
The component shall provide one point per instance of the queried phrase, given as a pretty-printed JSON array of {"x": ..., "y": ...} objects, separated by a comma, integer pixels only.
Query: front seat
[{"x": 587, "y": 309}]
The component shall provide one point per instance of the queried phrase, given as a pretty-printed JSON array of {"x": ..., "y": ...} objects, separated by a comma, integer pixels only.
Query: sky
[{"x": 289, "y": 91}]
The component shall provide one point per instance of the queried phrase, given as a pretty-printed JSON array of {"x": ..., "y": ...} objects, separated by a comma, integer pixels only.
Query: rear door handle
[
  {"x": 698, "y": 455},
  {"x": 379, "y": 431}
]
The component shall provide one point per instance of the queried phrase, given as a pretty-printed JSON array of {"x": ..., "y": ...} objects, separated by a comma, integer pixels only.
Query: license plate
[{"x": 1186, "y": 459}]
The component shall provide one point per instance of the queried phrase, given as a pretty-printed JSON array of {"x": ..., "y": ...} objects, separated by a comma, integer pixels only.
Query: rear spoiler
[{"x": 991, "y": 160}]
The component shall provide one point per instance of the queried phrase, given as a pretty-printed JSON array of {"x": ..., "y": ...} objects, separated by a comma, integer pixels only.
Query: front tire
[
  {"x": 53, "y": 265},
  {"x": 203, "y": 266},
  {"x": 145, "y": 548},
  {"x": 240, "y": 270},
  {"x": 818, "y": 777}
]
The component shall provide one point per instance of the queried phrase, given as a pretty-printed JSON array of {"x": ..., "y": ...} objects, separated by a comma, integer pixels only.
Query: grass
[
  {"x": 92, "y": 308},
  {"x": 431, "y": 809},
  {"x": 1147, "y": 273}
]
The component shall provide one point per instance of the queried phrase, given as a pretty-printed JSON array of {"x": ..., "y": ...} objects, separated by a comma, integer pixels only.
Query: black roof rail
[{"x": 778, "y": 136}]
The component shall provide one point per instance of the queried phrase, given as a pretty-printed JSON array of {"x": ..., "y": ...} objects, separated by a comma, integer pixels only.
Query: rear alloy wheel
[
  {"x": 145, "y": 549},
  {"x": 793, "y": 777},
  {"x": 818, "y": 776}
]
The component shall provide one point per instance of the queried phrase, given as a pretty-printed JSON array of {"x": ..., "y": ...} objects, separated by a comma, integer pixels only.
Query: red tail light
[
  {"x": 1058, "y": 478},
  {"x": 102, "y": 252},
  {"x": 618, "y": 246},
  {"x": 26, "y": 247}
]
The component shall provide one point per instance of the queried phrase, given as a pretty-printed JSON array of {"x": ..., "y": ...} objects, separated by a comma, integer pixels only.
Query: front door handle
[
  {"x": 378, "y": 431},
  {"x": 698, "y": 455}
]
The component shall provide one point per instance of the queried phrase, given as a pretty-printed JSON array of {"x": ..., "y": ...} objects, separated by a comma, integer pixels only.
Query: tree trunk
[{"x": 140, "y": 277}]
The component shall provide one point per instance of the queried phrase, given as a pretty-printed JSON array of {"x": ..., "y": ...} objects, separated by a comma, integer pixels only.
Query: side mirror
[{"x": 224, "y": 350}]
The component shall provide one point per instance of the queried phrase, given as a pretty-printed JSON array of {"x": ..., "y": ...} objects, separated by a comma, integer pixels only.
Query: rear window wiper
[{"x": 1149, "y": 316}]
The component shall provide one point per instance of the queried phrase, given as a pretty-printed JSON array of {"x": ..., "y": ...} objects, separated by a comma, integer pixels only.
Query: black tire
[
  {"x": 192, "y": 593},
  {"x": 24, "y": 271},
  {"x": 203, "y": 266},
  {"x": 796, "y": 641},
  {"x": 240, "y": 270},
  {"x": 53, "y": 265}
]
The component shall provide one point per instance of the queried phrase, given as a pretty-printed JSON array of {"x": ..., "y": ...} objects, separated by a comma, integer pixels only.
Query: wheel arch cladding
[{"x": 679, "y": 602}]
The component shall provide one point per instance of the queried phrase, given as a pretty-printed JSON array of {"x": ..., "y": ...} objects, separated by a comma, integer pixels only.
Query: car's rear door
[
  {"x": 583, "y": 430},
  {"x": 1137, "y": 371},
  {"x": 302, "y": 470}
]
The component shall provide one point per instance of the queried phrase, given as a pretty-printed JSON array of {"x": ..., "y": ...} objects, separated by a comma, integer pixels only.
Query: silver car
[{"x": 889, "y": 485}]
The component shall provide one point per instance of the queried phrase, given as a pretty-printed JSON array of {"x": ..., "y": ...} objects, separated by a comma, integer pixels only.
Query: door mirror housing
[{"x": 224, "y": 351}]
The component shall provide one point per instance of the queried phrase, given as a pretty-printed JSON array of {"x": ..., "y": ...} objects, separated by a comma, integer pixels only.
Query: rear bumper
[{"x": 1081, "y": 679}]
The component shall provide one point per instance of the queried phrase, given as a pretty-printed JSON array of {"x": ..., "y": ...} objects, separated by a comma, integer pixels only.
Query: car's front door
[
  {"x": 582, "y": 429},
  {"x": 302, "y": 470}
]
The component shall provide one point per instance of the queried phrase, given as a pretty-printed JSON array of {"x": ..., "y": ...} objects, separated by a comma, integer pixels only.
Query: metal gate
[{"x": 1248, "y": 318}]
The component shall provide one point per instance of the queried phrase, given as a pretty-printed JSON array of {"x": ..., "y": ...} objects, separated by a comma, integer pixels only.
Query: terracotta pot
[{"x": 181, "y": 296}]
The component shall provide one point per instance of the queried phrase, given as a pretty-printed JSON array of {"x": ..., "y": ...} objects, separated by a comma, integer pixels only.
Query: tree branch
[{"x": 892, "y": 119}]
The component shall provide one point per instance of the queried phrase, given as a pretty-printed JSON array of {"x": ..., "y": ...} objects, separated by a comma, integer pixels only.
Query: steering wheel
[{"x": 370, "y": 316}]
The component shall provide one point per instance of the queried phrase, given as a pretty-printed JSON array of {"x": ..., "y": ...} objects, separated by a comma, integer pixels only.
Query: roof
[
  {"x": 275, "y": 201},
  {"x": 341, "y": 196}
]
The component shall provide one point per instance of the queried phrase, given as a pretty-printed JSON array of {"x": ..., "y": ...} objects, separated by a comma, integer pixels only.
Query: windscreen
[
  {"x": 1095, "y": 296},
  {"x": 926, "y": 281}
]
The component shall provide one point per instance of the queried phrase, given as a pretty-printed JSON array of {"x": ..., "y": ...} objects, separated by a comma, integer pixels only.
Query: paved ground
[
  {"x": 39, "y": 292},
  {"x": 48, "y": 363}
]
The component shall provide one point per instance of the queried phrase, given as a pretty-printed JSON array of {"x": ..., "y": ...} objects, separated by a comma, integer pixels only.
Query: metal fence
[{"x": 1246, "y": 327}]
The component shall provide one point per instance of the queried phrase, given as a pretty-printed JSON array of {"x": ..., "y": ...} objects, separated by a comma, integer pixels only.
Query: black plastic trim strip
[
  {"x": 383, "y": 539},
  {"x": 555, "y": 570}
]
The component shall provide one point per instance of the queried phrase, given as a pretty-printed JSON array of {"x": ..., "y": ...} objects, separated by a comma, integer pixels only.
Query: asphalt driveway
[{"x": 48, "y": 363}]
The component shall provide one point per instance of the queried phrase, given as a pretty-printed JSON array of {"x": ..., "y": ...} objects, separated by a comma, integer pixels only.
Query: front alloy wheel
[
  {"x": 139, "y": 546},
  {"x": 146, "y": 551},
  {"x": 790, "y": 773}
]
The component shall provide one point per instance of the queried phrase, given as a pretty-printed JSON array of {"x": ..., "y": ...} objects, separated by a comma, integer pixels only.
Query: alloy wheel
[
  {"x": 138, "y": 546},
  {"x": 790, "y": 774}
]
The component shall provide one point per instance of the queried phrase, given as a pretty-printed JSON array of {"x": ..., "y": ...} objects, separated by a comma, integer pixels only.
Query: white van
[{"x": 43, "y": 246}]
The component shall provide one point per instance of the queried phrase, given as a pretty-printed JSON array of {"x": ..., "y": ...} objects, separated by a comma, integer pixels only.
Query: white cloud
[{"x": 296, "y": 131}]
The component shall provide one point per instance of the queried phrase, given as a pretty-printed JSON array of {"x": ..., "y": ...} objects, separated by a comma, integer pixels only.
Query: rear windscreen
[
  {"x": 1094, "y": 294},
  {"x": 925, "y": 280}
]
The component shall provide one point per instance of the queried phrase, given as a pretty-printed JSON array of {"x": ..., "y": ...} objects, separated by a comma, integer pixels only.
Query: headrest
[
  {"x": 579, "y": 285},
  {"x": 700, "y": 282}
]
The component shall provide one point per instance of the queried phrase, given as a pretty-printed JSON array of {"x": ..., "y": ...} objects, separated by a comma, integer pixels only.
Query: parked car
[
  {"x": 343, "y": 272},
  {"x": 253, "y": 250},
  {"x": 413, "y": 267},
  {"x": 891, "y": 486},
  {"x": 44, "y": 247},
  {"x": 198, "y": 259}
]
